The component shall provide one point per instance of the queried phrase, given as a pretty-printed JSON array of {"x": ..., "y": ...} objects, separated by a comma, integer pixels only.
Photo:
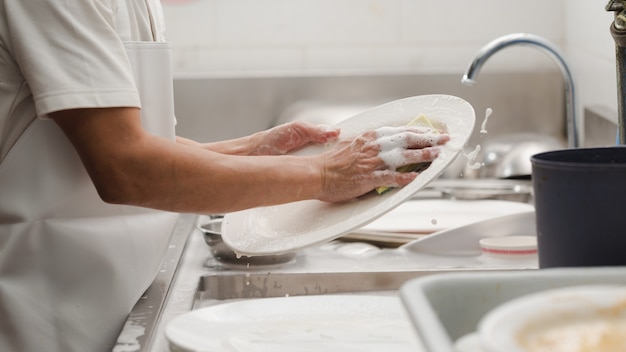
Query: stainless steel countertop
[{"x": 142, "y": 330}]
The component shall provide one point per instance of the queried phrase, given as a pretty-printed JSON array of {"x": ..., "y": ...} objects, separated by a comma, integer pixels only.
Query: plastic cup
[{"x": 580, "y": 201}]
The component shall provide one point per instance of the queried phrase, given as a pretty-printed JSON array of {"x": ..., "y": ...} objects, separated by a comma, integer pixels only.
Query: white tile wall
[
  {"x": 219, "y": 37},
  {"x": 272, "y": 37}
]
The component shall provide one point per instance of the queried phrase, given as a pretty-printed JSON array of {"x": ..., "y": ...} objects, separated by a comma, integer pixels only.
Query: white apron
[{"x": 72, "y": 266}]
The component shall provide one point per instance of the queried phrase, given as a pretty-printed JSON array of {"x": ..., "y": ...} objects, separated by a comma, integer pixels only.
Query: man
[{"x": 91, "y": 175}]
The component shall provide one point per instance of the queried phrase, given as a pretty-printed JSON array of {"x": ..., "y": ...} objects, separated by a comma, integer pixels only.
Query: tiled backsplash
[{"x": 243, "y": 36}]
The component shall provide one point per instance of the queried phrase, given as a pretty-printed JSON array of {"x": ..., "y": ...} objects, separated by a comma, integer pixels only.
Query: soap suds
[
  {"x": 392, "y": 141},
  {"x": 128, "y": 340},
  {"x": 483, "y": 126},
  {"x": 471, "y": 158}
]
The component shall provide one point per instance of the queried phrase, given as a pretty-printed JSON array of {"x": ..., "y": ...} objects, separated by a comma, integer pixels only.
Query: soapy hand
[
  {"x": 393, "y": 142},
  {"x": 290, "y": 137},
  {"x": 353, "y": 168}
]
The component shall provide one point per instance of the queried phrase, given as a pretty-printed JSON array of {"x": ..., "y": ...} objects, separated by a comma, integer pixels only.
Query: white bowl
[{"x": 572, "y": 319}]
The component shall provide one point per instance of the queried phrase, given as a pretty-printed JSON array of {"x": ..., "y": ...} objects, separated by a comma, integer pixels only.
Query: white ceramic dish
[
  {"x": 418, "y": 219},
  {"x": 295, "y": 324},
  {"x": 288, "y": 227},
  {"x": 432, "y": 215},
  {"x": 465, "y": 240},
  {"x": 573, "y": 319}
]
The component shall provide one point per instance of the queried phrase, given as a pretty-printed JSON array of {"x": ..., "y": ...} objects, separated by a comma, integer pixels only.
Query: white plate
[
  {"x": 295, "y": 324},
  {"x": 464, "y": 240},
  {"x": 432, "y": 215},
  {"x": 288, "y": 227}
]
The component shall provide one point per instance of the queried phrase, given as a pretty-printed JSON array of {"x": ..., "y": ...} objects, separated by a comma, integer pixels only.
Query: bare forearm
[
  {"x": 129, "y": 166},
  {"x": 239, "y": 146},
  {"x": 187, "y": 179},
  {"x": 278, "y": 140}
]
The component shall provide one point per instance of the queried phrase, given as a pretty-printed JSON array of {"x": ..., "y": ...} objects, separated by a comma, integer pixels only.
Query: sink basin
[
  {"x": 339, "y": 267},
  {"x": 217, "y": 288},
  {"x": 316, "y": 273}
]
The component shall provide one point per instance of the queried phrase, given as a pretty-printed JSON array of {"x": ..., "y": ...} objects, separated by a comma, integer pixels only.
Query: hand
[
  {"x": 290, "y": 137},
  {"x": 353, "y": 168}
]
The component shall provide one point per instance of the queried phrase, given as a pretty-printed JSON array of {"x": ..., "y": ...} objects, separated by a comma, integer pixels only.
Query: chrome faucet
[
  {"x": 498, "y": 44},
  {"x": 618, "y": 31}
]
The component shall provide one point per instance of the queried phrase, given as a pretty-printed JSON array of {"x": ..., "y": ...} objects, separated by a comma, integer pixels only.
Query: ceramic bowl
[
  {"x": 573, "y": 319},
  {"x": 212, "y": 231}
]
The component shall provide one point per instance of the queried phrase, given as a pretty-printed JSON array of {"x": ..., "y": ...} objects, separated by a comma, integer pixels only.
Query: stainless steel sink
[
  {"x": 220, "y": 287},
  {"x": 200, "y": 281}
]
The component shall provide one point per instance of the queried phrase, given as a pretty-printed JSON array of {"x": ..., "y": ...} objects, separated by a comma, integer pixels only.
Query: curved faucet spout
[{"x": 498, "y": 44}]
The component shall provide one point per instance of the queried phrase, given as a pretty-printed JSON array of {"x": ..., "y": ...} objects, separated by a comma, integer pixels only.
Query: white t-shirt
[{"x": 57, "y": 55}]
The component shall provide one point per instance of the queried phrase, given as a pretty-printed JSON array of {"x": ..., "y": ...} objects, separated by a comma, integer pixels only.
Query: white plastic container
[{"x": 446, "y": 307}]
